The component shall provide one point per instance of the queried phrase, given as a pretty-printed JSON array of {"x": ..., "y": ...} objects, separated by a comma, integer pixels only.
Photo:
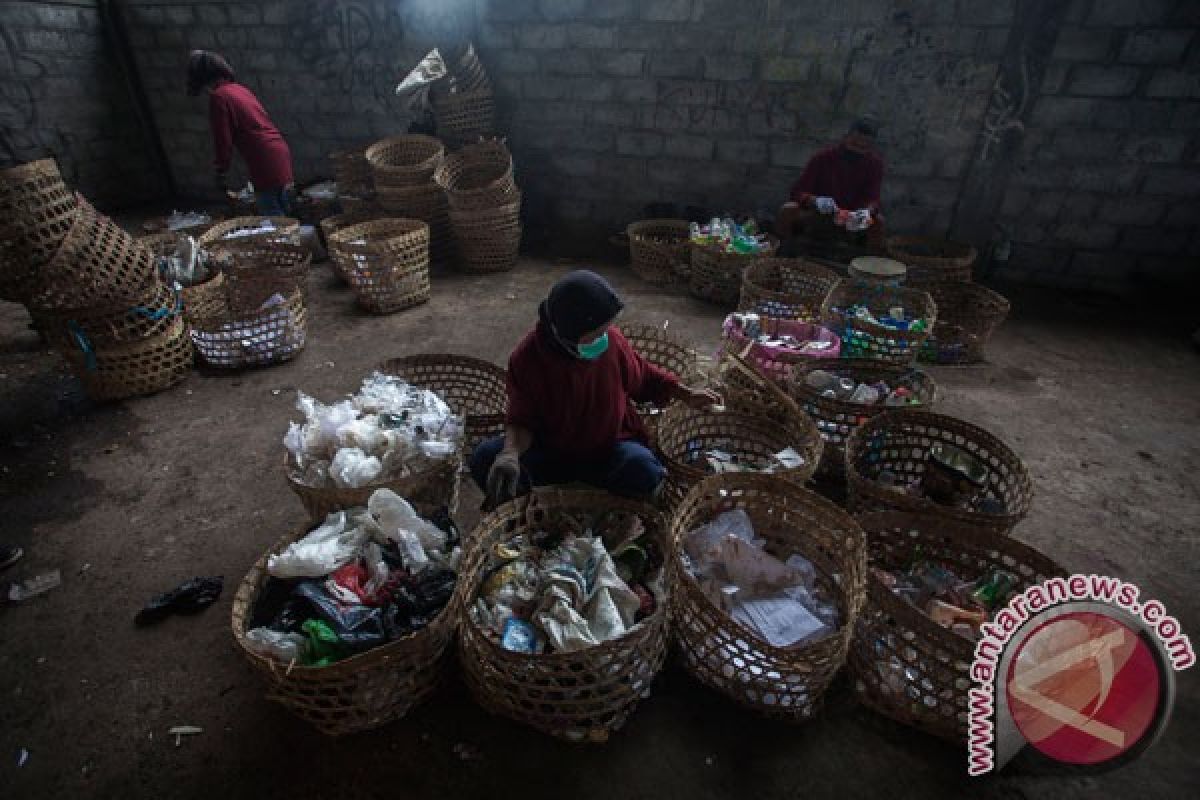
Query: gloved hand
[
  {"x": 502, "y": 479},
  {"x": 826, "y": 205},
  {"x": 859, "y": 220}
]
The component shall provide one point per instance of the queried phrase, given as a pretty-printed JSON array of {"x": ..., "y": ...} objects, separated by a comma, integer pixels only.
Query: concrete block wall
[
  {"x": 62, "y": 95},
  {"x": 324, "y": 70},
  {"x": 1106, "y": 191},
  {"x": 719, "y": 103}
]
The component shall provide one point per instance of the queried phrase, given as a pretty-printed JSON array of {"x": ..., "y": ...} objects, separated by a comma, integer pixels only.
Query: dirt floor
[{"x": 128, "y": 499}]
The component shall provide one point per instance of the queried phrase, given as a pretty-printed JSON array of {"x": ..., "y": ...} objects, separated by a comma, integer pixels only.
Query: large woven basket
[
  {"x": 214, "y": 238},
  {"x": 863, "y": 338},
  {"x": 931, "y": 260},
  {"x": 905, "y": 665},
  {"x": 465, "y": 117},
  {"x": 781, "y": 682},
  {"x": 232, "y": 339},
  {"x": 665, "y": 350},
  {"x": 777, "y": 362},
  {"x": 407, "y": 160},
  {"x": 716, "y": 276},
  {"x": 428, "y": 490},
  {"x": 351, "y": 171},
  {"x": 364, "y": 204},
  {"x": 478, "y": 176},
  {"x": 150, "y": 315},
  {"x": 837, "y": 419},
  {"x": 427, "y": 203},
  {"x": 133, "y": 368},
  {"x": 386, "y": 262},
  {"x": 98, "y": 266},
  {"x": 786, "y": 288},
  {"x": 739, "y": 431},
  {"x": 899, "y": 441},
  {"x": 657, "y": 247},
  {"x": 473, "y": 388},
  {"x": 968, "y": 315},
  {"x": 581, "y": 696},
  {"x": 37, "y": 211},
  {"x": 487, "y": 240},
  {"x": 257, "y": 268},
  {"x": 331, "y": 225},
  {"x": 359, "y": 693}
]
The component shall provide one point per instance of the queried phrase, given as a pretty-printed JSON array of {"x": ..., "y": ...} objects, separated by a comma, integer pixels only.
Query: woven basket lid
[{"x": 877, "y": 268}]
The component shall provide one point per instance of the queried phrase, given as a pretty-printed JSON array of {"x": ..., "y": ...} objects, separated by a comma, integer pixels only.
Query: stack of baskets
[
  {"x": 464, "y": 107},
  {"x": 968, "y": 313},
  {"x": 331, "y": 225},
  {"x": 352, "y": 174},
  {"x": 385, "y": 261},
  {"x": 786, "y": 288},
  {"x": 485, "y": 206},
  {"x": 659, "y": 249},
  {"x": 93, "y": 290},
  {"x": 403, "y": 169},
  {"x": 259, "y": 315},
  {"x": 716, "y": 275}
]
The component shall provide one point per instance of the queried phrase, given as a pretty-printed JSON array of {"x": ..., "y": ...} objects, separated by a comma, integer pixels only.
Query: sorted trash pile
[
  {"x": 566, "y": 587},
  {"x": 895, "y": 318},
  {"x": 814, "y": 341},
  {"x": 945, "y": 597},
  {"x": 188, "y": 264},
  {"x": 366, "y": 577},
  {"x": 715, "y": 461},
  {"x": 952, "y": 477},
  {"x": 900, "y": 392},
  {"x": 780, "y": 601},
  {"x": 728, "y": 236},
  {"x": 388, "y": 430}
]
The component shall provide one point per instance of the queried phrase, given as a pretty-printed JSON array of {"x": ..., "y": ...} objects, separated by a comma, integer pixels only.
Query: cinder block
[
  {"x": 789, "y": 69},
  {"x": 742, "y": 151},
  {"x": 791, "y": 154},
  {"x": 1135, "y": 210},
  {"x": 565, "y": 62},
  {"x": 1174, "y": 83},
  {"x": 636, "y": 90},
  {"x": 676, "y": 65},
  {"x": 610, "y": 9},
  {"x": 1055, "y": 112},
  {"x": 46, "y": 41},
  {"x": 639, "y": 143},
  {"x": 764, "y": 41},
  {"x": 665, "y": 10},
  {"x": 1155, "y": 46},
  {"x": 212, "y": 14},
  {"x": 1104, "y": 177},
  {"x": 1174, "y": 181},
  {"x": 1091, "y": 235},
  {"x": 1153, "y": 149},
  {"x": 1119, "y": 13},
  {"x": 619, "y": 64},
  {"x": 985, "y": 12},
  {"x": 542, "y": 37},
  {"x": 275, "y": 13},
  {"x": 497, "y": 35},
  {"x": 684, "y": 146},
  {"x": 1154, "y": 240},
  {"x": 510, "y": 10},
  {"x": 592, "y": 36},
  {"x": 728, "y": 67},
  {"x": 244, "y": 14},
  {"x": 1082, "y": 44},
  {"x": 1095, "y": 81}
]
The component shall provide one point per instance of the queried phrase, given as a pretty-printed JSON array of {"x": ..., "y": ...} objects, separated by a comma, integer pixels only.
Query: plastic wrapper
[
  {"x": 284, "y": 647},
  {"x": 320, "y": 552},
  {"x": 352, "y": 468}
]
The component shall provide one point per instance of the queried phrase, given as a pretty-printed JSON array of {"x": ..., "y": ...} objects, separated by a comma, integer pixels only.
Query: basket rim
[
  {"x": 907, "y": 294},
  {"x": 598, "y": 498},
  {"x": 895, "y": 247},
  {"x": 372, "y": 153},
  {"x": 21, "y": 173},
  {"x": 853, "y": 602},
  {"x": 934, "y": 419},
  {"x": 214, "y": 236},
  {"x": 796, "y": 424},
  {"x": 752, "y": 279},
  {"x": 807, "y": 394},
  {"x": 407, "y": 227}
]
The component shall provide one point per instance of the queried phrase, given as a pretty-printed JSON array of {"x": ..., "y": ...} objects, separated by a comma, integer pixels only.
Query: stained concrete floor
[{"x": 130, "y": 498}]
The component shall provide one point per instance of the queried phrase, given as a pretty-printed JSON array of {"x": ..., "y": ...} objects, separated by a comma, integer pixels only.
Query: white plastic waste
[
  {"x": 352, "y": 468},
  {"x": 322, "y": 551},
  {"x": 285, "y": 647}
]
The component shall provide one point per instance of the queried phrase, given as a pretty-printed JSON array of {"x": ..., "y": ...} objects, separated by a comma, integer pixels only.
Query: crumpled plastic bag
[
  {"x": 571, "y": 616},
  {"x": 702, "y": 544},
  {"x": 320, "y": 552},
  {"x": 352, "y": 468},
  {"x": 393, "y": 514},
  {"x": 363, "y": 434},
  {"x": 284, "y": 647}
]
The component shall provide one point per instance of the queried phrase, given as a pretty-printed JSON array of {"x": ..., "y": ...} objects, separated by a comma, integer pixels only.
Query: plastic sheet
[
  {"x": 322, "y": 551},
  {"x": 285, "y": 647}
]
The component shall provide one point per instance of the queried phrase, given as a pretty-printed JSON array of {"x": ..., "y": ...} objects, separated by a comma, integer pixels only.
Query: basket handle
[{"x": 759, "y": 380}]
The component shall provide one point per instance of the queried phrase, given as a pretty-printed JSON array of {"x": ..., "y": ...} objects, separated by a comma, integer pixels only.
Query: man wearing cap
[{"x": 839, "y": 189}]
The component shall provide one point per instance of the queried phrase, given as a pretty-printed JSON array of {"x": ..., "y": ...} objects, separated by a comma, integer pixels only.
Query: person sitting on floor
[
  {"x": 846, "y": 177},
  {"x": 570, "y": 383}
]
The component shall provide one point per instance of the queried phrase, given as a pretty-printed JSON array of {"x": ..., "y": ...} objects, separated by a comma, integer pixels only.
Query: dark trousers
[{"x": 631, "y": 470}]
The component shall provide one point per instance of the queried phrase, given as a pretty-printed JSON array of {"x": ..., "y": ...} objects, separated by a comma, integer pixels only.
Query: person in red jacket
[
  {"x": 570, "y": 383},
  {"x": 839, "y": 188},
  {"x": 239, "y": 122}
]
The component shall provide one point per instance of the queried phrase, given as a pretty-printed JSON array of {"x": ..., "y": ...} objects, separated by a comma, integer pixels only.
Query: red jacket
[
  {"x": 580, "y": 409},
  {"x": 851, "y": 184},
  {"x": 239, "y": 120}
]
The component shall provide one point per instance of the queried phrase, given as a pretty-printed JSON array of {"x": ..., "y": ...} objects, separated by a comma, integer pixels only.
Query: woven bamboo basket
[
  {"x": 37, "y": 211},
  {"x": 359, "y": 693},
  {"x": 968, "y": 315},
  {"x": 427, "y": 203},
  {"x": 430, "y": 489},
  {"x": 487, "y": 240},
  {"x": 465, "y": 117},
  {"x": 779, "y": 682},
  {"x": 739, "y": 431},
  {"x": 899, "y": 441},
  {"x": 386, "y": 262},
  {"x": 666, "y": 350},
  {"x": 581, "y": 696},
  {"x": 905, "y": 665},
  {"x": 931, "y": 260},
  {"x": 199, "y": 296},
  {"x": 407, "y": 160},
  {"x": 232, "y": 339},
  {"x": 466, "y": 73},
  {"x": 256, "y": 268},
  {"x": 776, "y": 362},
  {"x": 478, "y": 176},
  {"x": 148, "y": 316},
  {"x": 837, "y": 419},
  {"x": 214, "y": 238},
  {"x": 133, "y": 368},
  {"x": 473, "y": 388},
  {"x": 865, "y": 339},
  {"x": 657, "y": 247},
  {"x": 786, "y": 288},
  {"x": 716, "y": 276},
  {"x": 351, "y": 171},
  {"x": 98, "y": 267}
]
